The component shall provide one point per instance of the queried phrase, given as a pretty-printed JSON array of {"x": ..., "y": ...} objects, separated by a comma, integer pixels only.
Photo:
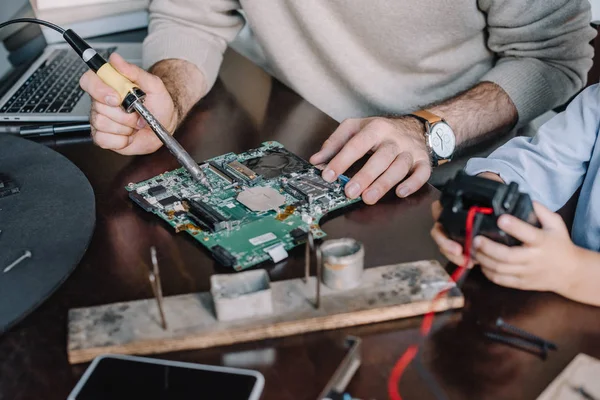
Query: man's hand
[
  {"x": 112, "y": 127},
  {"x": 399, "y": 152},
  {"x": 545, "y": 262}
]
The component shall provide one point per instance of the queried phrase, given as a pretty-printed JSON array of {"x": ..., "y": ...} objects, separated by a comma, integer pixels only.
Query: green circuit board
[{"x": 263, "y": 203}]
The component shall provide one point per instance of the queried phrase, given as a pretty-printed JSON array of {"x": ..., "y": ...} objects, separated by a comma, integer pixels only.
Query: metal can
[{"x": 343, "y": 263}]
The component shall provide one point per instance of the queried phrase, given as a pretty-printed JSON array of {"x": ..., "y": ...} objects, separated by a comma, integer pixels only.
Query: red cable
[{"x": 404, "y": 361}]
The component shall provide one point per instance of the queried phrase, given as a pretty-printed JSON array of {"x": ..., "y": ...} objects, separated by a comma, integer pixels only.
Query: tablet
[{"x": 119, "y": 377}]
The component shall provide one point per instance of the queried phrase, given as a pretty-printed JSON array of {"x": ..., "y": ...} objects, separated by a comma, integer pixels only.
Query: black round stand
[{"x": 52, "y": 217}]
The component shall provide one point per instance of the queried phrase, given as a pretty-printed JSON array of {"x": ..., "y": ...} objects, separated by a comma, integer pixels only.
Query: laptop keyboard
[{"x": 53, "y": 87}]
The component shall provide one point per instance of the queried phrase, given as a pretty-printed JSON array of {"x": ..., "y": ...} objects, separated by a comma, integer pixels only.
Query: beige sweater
[{"x": 353, "y": 58}]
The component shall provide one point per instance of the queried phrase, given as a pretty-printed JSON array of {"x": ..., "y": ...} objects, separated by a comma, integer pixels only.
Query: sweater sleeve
[
  {"x": 543, "y": 51},
  {"x": 552, "y": 165},
  {"x": 192, "y": 30}
]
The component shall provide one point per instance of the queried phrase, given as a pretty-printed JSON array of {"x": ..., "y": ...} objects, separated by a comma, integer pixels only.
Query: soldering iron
[{"x": 131, "y": 96}]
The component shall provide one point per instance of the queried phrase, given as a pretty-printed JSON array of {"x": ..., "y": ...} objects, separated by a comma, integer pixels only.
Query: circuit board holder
[
  {"x": 264, "y": 203},
  {"x": 385, "y": 293}
]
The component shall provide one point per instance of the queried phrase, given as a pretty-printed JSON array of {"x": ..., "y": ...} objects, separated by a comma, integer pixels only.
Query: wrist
[
  {"x": 184, "y": 83},
  {"x": 440, "y": 139},
  {"x": 575, "y": 260}
]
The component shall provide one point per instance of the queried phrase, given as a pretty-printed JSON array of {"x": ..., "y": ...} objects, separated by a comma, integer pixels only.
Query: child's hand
[
  {"x": 452, "y": 250},
  {"x": 545, "y": 261}
]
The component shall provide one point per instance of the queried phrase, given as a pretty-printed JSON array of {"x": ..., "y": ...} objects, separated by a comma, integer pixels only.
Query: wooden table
[{"x": 241, "y": 112}]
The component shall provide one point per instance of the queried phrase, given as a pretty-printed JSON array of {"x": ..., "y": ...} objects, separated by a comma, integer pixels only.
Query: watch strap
[{"x": 427, "y": 116}]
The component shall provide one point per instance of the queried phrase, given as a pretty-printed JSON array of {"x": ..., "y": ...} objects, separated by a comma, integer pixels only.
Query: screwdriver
[{"x": 132, "y": 99}]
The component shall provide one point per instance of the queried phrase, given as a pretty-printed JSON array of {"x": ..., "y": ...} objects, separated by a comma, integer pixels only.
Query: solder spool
[{"x": 343, "y": 263}]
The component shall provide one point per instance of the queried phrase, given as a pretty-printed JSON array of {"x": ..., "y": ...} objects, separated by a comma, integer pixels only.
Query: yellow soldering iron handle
[{"x": 115, "y": 80}]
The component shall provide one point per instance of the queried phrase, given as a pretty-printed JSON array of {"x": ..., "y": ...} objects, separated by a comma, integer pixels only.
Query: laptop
[{"x": 40, "y": 82}]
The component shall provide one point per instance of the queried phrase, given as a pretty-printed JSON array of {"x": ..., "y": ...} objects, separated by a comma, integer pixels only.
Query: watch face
[{"x": 442, "y": 140}]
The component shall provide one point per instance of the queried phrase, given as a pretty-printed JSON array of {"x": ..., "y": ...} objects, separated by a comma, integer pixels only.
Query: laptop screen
[{"x": 20, "y": 44}]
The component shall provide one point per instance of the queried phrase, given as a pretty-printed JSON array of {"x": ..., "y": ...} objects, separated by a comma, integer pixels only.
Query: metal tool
[
  {"x": 336, "y": 386},
  {"x": 311, "y": 247},
  {"x": 132, "y": 99},
  {"x": 154, "y": 277},
  {"x": 506, "y": 327},
  {"x": 519, "y": 343},
  {"x": 26, "y": 255},
  {"x": 169, "y": 141},
  {"x": 319, "y": 260}
]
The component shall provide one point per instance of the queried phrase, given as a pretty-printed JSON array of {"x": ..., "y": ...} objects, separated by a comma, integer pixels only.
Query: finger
[
  {"x": 375, "y": 166},
  {"x": 510, "y": 281},
  {"x": 436, "y": 210},
  {"x": 344, "y": 132},
  {"x": 500, "y": 252},
  {"x": 147, "y": 81},
  {"x": 117, "y": 114},
  {"x": 457, "y": 260},
  {"x": 104, "y": 124},
  {"x": 498, "y": 267},
  {"x": 98, "y": 90},
  {"x": 419, "y": 176},
  {"x": 359, "y": 145},
  {"x": 547, "y": 218},
  {"x": 521, "y": 230},
  {"x": 109, "y": 141},
  {"x": 143, "y": 141},
  {"x": 445, "y": 244},
  {"x": 394, "y": 174}
]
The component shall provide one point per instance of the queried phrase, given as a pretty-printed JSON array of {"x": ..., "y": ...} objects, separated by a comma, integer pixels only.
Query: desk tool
[
  {"x": 39, "y": 184},
  {"x": 519, "y": 338},
  {"x": 335, "y": 388},
  {"x": 132, "y": 97},
  {"x": 154, "y": 277},
  {"x": 385, "y": 293}
]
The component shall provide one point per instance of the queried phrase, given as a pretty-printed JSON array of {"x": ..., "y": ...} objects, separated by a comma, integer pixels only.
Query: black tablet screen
[{"x": 118, "y": 379}]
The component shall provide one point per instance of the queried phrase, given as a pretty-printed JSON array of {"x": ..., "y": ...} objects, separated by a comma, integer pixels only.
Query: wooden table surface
[{"x": 237, "y": 115}]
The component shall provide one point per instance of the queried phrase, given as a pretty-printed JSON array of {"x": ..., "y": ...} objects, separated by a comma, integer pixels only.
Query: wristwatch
[{"x": 439, "y": 136}]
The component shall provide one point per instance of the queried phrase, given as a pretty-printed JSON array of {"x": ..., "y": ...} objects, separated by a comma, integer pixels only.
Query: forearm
[
  {"x": 184, "y": 82},
  {"x": 483, "y": 111},
  {"x": 583, "y": 287}
]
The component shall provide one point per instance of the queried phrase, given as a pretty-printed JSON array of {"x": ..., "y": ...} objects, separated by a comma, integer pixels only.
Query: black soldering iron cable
[{"x": 34, "y": 21}]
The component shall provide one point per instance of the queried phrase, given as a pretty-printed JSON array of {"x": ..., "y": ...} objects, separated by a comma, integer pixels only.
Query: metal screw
[
  {"x": 500, "y": 323},
  {"x": 518, "y": 343},
  {"x": 26, "y": 255}
]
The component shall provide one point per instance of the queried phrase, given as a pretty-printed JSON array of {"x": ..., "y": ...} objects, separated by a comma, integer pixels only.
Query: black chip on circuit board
[{"x": 157, "y": 190}]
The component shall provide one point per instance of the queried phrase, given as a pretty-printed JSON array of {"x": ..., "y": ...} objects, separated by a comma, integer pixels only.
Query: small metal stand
[
  {"x": 312, "y": 247},
  {"x": 154, "y": 277}
]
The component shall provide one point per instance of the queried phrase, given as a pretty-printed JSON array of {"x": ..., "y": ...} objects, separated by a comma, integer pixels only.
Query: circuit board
[{"x": 263, "y": 203}]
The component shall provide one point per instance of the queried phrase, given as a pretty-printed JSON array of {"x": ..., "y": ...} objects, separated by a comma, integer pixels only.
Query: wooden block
[{"x": 386, "y": 293}]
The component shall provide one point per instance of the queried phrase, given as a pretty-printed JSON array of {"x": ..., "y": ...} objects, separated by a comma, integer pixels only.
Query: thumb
[
  {"x": 146, "y": 81},
  {"x": 547, "y": 218}
]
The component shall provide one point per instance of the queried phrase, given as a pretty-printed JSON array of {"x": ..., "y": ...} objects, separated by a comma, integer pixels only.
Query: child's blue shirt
[{"x": 551, "y": 166}]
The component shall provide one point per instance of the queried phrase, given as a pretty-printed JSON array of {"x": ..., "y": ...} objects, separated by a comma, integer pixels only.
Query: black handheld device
[{"x": 464, "y": 192}]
